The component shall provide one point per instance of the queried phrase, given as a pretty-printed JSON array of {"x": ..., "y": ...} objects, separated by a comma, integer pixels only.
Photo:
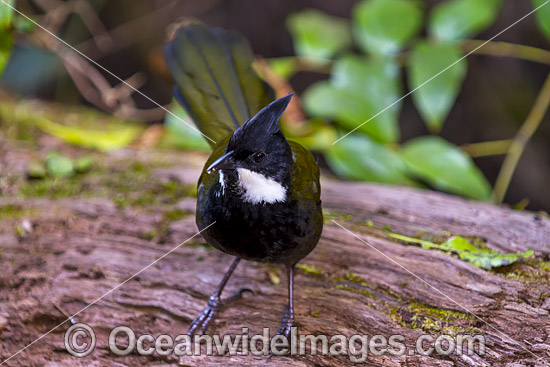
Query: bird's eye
[{"x": 258, "y": 157}]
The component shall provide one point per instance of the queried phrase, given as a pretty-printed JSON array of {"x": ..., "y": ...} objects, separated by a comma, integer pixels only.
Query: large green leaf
[
  {"x": 115, "y": 137},
  {"x": 458, "y": 19},
  {"x": 384, "y": 26},
  {"x": 480, "y": 257},
  {"x": 543, "y": 16},
  {"x": 318, "y": 35},
  {"x": 313, "y": 134},
  {"x": 445, "y": 166},
  {"x": 6, "y": 42},
  {"x": 358, "y": 157},
  {"x": 437, "y": 81},
  {"x": 359, "y": 88},
  {"x": 6, "y": 14},
  {"x": 6, "y": 38}
]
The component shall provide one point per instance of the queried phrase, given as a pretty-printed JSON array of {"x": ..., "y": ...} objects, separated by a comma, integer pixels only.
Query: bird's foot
[
  {"x": 215, "y": 304},
  {"x": 285, "y": 329},
  {"x": 286, "y": 324}
]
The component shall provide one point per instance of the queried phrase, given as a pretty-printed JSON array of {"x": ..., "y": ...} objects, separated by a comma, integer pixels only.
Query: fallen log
[{"x": 93, "y": 252}]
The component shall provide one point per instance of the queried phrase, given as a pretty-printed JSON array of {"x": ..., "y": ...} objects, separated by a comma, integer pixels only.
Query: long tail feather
[{"x": 215, "y": 82}]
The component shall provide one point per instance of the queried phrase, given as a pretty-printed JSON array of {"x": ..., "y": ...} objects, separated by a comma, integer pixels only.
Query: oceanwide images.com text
[{"x": 80, "y": 341}]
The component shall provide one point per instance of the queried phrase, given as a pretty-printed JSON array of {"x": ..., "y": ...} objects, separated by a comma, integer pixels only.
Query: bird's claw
[
  {"x": 215, "y": 304},
  {"x": 285, "y": 329}
]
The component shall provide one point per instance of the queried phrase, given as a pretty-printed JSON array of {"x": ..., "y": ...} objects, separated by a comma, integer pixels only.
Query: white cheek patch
[
  {"x": 222, "y": 181},
  {"x": 258, "y": 188}
]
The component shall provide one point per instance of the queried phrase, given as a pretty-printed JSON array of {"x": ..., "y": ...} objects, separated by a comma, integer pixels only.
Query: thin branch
[
  {"x": 506, "y": 49},
  {"x": 124, "y": 35},
  {"x": 519, "y": 142},
  {"x": 487, "y": 148},
  {"x": 95, "y": 26}
]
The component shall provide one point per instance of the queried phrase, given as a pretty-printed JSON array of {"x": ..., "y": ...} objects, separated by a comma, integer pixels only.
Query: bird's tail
[{"x": 214, "y": 79}]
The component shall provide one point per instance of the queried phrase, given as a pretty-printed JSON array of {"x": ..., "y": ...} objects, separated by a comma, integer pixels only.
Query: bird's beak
[{"x": 226, "y": 161}]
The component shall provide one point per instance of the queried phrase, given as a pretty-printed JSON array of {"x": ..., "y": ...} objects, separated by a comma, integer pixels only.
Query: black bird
[{"x": 261, "y": 191}]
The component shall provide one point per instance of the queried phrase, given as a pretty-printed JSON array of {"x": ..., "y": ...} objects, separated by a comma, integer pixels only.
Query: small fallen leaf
[
  {"x": 273, "y": 277},
  {"x": 83, "y": 164},
  {"x": 58, "y": 165},
  {"x": 36, "y": 170},
  {"x": 482, "y": 258}
]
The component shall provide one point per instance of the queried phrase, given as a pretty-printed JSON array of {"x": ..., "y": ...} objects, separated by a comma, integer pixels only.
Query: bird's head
[{"x": 259, "y": 152}]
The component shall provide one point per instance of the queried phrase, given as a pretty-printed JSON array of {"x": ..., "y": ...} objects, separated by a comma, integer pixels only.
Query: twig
[
  {"x": 124, "y": 35},
  {"x": 519, "y": 142},
  {"x": 487, "y": 148},
  {"x": 506, "y": 49},
  {"x": 281, "y": 87},
  {"x": 91, "y": 19}
]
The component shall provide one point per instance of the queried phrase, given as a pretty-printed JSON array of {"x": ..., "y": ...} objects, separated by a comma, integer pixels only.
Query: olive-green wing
[
  {"x": 214, "y": 79},
  {"x": 305, "y": 176}
]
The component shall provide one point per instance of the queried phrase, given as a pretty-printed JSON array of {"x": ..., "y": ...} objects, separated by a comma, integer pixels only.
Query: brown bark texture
[{"x": 59, "y": 253}]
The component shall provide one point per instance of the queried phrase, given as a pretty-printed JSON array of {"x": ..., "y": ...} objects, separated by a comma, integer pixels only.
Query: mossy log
[{"x": 79, "y": 247}]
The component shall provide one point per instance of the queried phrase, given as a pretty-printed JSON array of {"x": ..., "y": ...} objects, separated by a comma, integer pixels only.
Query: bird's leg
[
  {"x": 288, "y": 317},
  {"x": 215, "y": 303}
]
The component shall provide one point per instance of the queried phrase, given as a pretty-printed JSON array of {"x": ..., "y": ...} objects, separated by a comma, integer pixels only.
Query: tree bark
[{"x": 81, "y": 248}]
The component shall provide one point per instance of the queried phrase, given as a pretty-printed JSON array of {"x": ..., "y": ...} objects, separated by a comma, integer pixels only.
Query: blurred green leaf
[
  {"x": 543, "y": 16},
  {"x": 318, "y": 134},
  {"x": 57, "y": 165},
  {"x": 283, "y": 66},
  {"x": 318, "y": 35},
  {"x": 115, "y": 138},
  {"x": 6, "y": 43},
  {"x": 6, "y": 14},
  {"x": 459, "y": 19},
  {"x": 482, "y": 258},
  {"x": 6, "y": 38},
  {"x": 435, "y": 98},
  {"x": 358, "y": 157},
  {"x": 359, "y": 88},
  {"x": 83, "y": 164},
  {"x": 445, "y": 166},
  {"x": 384, "y": 26},
  {"x": 23, "y": 25},
  {"x": 180, "y": 135}
]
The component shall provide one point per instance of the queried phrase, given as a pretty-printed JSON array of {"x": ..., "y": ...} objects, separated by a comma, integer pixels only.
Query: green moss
[
  {"x": 439, "y": 313},
  {"x": 531, "y": 271},
  {"x": 203, "y": 246},
  {"x": 544, "y": 266},
  {"x": 150, "y": 234},
  {"x": 133, "y": 186},
  {"x": 389, "y": 292},
  {"x": 175, "y": 215},
  {"x": 315, "y": 313},
  {"x": 353, "y": 278},
  {"x": 432, "y": 319},
  {"x": 348, "y": 288},
  {"x": 52, "y": 188},
  {"x": 330, "y": 215},
  {"x": 394, "y": 314},
  {"x": 309, "y": 269},
  {"x": 15, "y": 212}
]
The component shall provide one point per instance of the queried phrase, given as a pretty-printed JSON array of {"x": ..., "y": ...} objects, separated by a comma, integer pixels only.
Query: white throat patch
[{"x": 258, "y": 188}]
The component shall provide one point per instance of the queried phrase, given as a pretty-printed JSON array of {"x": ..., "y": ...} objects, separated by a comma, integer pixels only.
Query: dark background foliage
[{"x": 495, "y": 98}]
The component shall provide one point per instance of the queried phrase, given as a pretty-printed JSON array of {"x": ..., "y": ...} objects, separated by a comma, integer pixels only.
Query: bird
[{"x": 258, "y": 196}]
